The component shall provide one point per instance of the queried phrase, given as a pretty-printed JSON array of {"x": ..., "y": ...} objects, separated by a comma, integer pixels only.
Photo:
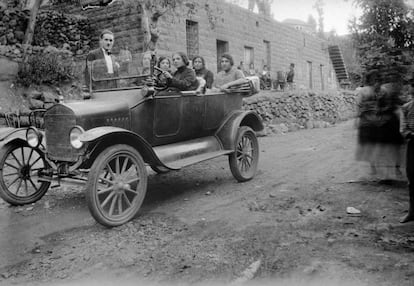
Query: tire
[
  {"x": 159, "y": 169},
  {"x": 243, "y": 162},
  {"x": 116, "y": 185},
  {"x": 19, "y": 168}
]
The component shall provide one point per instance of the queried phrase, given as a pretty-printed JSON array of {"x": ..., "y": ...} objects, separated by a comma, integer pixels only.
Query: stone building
[
  {"x": 301, "y": 26},
  {"x": 215, "y": 27}
]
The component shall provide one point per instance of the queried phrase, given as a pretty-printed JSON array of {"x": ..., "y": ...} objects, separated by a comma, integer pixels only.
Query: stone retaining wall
[{"x": 293, "y": 110}]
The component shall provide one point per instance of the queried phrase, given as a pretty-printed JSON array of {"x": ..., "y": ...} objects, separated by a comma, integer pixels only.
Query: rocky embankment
[
  {"x": 281, "y": 112},
  {"x": 52, "y": 29},
  {"x": 289, "y": 111}
]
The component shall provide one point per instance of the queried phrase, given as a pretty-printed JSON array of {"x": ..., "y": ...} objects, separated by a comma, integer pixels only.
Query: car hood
[
  {"x": 89, "y": 114},
  {"x": 96, "y": 108}
]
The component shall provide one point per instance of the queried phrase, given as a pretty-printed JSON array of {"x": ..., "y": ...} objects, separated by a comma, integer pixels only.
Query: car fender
[
  {"x": 103, "y": 137},
  {"x": 9, "y": 134},
  {"x": 228, "y": 130}
]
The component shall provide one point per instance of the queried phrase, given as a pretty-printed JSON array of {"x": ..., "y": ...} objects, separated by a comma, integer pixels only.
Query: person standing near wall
[
  {"x": 407, "y": 130},
  {"x": 125, "y": 57},
  {"x": 290, "y": 76},
  {"x": 265, "y": 79},
  {"x": 242, "y": 68},
  {"x": 252, "y": 71}
]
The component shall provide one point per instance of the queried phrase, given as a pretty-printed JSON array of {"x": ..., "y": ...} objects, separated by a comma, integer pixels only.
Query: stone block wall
[
  {"x": 240, "y": 28},
  {"x": 233, "y": 24},
  {"x": 122, "y": 19},
  {"x": 289, "y": 111}
]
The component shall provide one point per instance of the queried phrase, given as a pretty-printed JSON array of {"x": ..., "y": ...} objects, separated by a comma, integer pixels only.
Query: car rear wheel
[
  {"x": 20, "y": 166},
  {"x": 116, "y": 186},
  {"x": 243, "y": 162}
]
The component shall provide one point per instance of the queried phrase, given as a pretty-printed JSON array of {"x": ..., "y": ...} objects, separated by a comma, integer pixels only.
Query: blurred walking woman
[
  {"x": 367, "y": 120},
  {"x": 389, "y": 139},
  {"x": 200, "y": 69},
  {"x": 184, "y": 77}
]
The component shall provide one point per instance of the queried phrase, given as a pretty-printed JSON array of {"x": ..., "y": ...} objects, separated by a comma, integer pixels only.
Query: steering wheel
[{"x": 160, "y": 83}]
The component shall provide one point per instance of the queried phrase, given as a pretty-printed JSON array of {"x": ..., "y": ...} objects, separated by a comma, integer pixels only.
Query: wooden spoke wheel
[
  {"x": 116, "y": 186},
  {"x": 20, "y": 166},
  {"x": 243, "y": 162}
]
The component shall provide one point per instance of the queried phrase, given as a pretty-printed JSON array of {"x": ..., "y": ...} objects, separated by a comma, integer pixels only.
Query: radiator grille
[{"x": 58, "y": 123}]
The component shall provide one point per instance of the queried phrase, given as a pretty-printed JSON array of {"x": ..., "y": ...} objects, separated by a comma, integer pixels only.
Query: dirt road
[{"x": 200, "y": 226}]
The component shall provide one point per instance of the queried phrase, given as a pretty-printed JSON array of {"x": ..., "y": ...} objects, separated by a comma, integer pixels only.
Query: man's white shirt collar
[{"x": 108, "y": 61}]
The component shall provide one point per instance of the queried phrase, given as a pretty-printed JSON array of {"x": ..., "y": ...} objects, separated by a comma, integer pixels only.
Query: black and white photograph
[{"x": 207, "y": 142}]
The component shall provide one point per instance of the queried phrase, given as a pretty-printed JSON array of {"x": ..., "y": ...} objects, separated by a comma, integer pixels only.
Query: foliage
[
  {"x": 48, "y": 67},
  {"x": 59, "y": 29},
  {"x": 383, "y": 36}
]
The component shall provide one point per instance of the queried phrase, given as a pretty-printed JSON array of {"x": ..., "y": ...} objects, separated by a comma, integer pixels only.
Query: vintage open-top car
[{"x": 109, "y": 139}]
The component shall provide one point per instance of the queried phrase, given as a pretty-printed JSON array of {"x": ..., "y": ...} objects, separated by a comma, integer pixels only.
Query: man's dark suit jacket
[{"x": 96, "y": 60}]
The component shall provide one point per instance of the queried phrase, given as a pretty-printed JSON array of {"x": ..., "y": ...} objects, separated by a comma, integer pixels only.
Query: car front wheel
[
  {"x": 243, "y": 162},
  {"x": 20, "y": 166},
  {"x": 116, "y": 186}
]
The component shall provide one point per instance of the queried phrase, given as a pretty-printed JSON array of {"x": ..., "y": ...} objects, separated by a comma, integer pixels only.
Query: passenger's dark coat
[{"x": 184, "y": 79}]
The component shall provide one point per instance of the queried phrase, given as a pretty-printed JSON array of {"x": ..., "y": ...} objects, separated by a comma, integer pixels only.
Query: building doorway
[
  {"x": 310, "y": 76},
  {"x": 321, "y": 70},
  {"x": 222, "y": 48},
  {"x": 249, "y": 57},
  {"x": 192, "y": 39},
  {"x": 268, "y": 59}
]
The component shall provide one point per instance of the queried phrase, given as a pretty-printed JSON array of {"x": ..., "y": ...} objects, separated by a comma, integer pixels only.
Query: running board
[
  {"x": 196, "y": 159},
  {"x": 177, "y": 155}
]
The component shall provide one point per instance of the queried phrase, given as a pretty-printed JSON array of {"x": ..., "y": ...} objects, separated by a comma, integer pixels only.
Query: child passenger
[{"x": 165, "y": 65}]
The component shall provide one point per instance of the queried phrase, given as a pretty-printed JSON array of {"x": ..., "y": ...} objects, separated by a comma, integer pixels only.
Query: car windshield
[{"x": 121, "y": 71}]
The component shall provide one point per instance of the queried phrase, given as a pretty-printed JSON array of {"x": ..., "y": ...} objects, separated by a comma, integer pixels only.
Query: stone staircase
[{"x": 338, "y": 63}]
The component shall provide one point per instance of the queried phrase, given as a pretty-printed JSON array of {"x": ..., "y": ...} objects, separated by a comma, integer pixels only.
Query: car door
[
  {"x": 177, "y": 117},
  {"x": 218, "y": 106}
]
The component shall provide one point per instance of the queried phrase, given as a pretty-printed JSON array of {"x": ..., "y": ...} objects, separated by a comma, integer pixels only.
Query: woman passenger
[
  {"x": 200, "y": 69},
  {"x": 165, "y": 65},
  {"x": 184, "y": 78}
]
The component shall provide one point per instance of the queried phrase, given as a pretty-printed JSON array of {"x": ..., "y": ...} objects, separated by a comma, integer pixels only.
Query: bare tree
[
  {"x": 318, "y": 6},
  {"x": 28, "y": 37},
  {"x": 264, "y": 6}
]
